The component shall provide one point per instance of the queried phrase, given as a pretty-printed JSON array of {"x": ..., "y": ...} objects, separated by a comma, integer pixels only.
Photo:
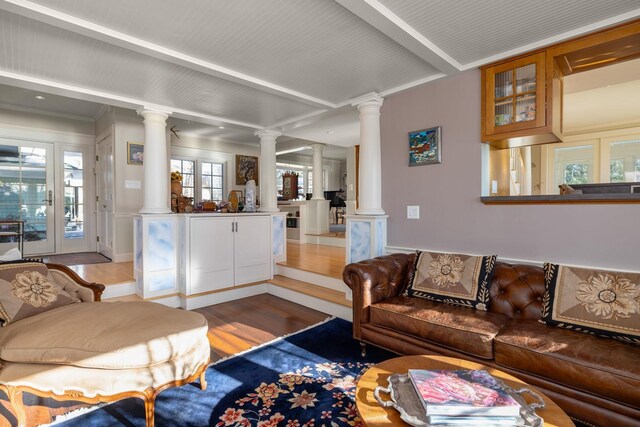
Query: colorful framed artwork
[
  {"x": 246, "y": 169},
  {"x": 425, "y": 146},
  {"x": 135, "y": 153}
]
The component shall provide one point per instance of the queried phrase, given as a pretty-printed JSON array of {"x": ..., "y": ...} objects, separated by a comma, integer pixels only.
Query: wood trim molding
[{"x": 97, "y": 288}]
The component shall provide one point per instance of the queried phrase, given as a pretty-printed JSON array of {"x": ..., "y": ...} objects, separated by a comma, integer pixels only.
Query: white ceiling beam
[
  {"x": 385, "y": 21},
  {"x": 64, "y": 89},
  {"x": 71, "y": 23}
]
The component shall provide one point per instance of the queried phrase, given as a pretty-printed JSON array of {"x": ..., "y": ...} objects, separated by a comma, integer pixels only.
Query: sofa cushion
[
  {"x": 117, "y": 335},
  {"x": 595, "y": 365},
  {"x": 452, "y": 278},
  {"x": 458, "y": 328},
  {"x": 27, "y": 289},
  {"x": 600, "y": 302}
]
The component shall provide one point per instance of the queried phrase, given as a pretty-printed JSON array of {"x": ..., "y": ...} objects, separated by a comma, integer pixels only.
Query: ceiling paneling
[
  {"x": 41, "y": 50},
  {"x": 25, "y": 100},
  {"x": 250, "y": 64},
  {"x": 314, "y": 47},
  {"x": 471, "y": 30}
]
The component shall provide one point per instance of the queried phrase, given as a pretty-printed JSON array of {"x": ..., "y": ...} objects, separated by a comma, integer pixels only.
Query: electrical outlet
[{"x": 413, "y": 212}]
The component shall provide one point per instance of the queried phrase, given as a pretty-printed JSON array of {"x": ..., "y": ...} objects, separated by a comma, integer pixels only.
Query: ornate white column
[
  {"x": 367, "y": 229},
  {"x": 318, "y": 193},
  {"x": 156, "y": 162},
  {"x": 268, "y": 189},
  {"x": 370, "y": 175}
]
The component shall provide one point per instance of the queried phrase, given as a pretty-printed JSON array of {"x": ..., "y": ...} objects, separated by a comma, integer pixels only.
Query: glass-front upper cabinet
[{"x": 514, "y": 95}]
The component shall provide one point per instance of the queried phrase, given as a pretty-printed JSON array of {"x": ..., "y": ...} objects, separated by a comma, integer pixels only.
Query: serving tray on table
[{"x": 404, "y": 399}]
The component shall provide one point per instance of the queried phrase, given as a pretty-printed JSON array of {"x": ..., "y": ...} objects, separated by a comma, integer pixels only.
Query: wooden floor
[
  {"x": 321, "y": 259},
  {"x": 108, "y": 273},
  {"x": 233, "y": 327}
]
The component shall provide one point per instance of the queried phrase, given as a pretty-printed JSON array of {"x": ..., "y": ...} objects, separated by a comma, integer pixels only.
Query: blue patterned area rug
[{"x": 307, "y": 379}]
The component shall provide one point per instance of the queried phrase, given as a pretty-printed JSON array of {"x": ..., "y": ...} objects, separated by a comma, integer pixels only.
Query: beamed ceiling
[{"x": 292, "y": 65}]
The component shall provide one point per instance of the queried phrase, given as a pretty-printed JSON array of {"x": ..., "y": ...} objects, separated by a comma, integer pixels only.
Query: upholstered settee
[
  {"x": 594, "y": 379},
  {"x": 91, "y": 351}
]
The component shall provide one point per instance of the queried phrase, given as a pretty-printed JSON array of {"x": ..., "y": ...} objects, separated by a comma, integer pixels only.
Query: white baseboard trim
[
  {"x": 122, "y": 257},
  {"x": 311, "y": 302},
  {"x": 326, "y": 240},
  {"x": 313, "y": 278},
  {"x": 119, "y": 290},
  {"x": 193, "y": 302}
]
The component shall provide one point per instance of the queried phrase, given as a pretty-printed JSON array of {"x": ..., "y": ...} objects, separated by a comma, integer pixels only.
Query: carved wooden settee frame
[{"x": 148, "y": 395}]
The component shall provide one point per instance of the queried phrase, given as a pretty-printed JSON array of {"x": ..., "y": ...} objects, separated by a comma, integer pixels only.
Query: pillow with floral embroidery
[
  {"x": 600, "y": 302},
  {"x": 26, "y": 289},
  {"x": 453, "y": 278}
]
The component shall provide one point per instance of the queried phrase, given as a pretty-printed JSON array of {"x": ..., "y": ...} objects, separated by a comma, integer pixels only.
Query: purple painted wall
[{"x": 452, "y": 218}]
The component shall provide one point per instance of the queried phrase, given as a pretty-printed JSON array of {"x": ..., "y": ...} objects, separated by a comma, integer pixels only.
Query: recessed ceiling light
[
  {"x": 220, "y": 127},
  {"x": 40, "y": 97},
  {"x": 330, "y": 131}
]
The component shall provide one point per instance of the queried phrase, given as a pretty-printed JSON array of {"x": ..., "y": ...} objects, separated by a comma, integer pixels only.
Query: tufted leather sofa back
[{"x": 517, "y": 290}]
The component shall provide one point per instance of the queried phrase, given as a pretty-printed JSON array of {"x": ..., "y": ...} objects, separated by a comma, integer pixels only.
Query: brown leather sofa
[{"x": 594, "y": 380}]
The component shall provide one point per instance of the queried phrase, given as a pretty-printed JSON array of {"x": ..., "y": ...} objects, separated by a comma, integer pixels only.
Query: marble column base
[
  {"x": 366, "y": 236},
  {"x": 155, "y": 262}
]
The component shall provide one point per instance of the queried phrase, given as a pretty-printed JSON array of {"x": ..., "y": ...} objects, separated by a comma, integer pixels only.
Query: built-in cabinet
[
  {"x": 224, "y": 251},
  {"x": 518, "y": 102}
]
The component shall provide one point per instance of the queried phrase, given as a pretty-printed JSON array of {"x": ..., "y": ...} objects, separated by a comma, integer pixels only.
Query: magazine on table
[
  {"x": 472, "y": 421},
  {"x": 462, "y": 393}
]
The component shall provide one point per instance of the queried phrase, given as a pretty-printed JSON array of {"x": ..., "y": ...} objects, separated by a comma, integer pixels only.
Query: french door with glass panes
[
  {"x": 43, "y": 186},
  {"x": 74, "y": 210},
  {"x": 26, "y": 194}
]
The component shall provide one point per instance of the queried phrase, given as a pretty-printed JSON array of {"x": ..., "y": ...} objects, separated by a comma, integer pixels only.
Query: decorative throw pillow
[
  {"x": 27, "y": 289},
  {"x": 452, "y": 278},
  {"x": 600, "y": 302}
]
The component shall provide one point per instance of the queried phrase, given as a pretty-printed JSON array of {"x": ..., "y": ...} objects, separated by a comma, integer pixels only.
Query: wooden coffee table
[{"x": 375, "y": 415}]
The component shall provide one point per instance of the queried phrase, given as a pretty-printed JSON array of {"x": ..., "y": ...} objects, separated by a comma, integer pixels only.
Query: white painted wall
[{"x": 452, "y": 218}]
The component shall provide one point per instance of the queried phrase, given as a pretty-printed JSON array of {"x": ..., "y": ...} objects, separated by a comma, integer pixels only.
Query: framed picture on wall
[
  {"x": 135, "y": 153},
  {"x": 246, "y": 169},
  {"x": 425, "y": 146}
]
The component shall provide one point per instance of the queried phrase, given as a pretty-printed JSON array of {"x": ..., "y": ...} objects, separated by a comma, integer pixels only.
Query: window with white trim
[
  {"x": 202, "y": 180},
  {"x": 186, "y": 168},
  {"x": 211, "y": 178}
]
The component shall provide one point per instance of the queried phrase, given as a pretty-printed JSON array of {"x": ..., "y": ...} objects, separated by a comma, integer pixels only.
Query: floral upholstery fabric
[
  {"x": 27, "y": 289},
  {"x": 601, "y": 302},
  {"x": 452, "y": 278}
]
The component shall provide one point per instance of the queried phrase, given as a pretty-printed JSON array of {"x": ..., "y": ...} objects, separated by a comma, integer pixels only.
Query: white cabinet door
[
  {"x": 253, "y": 249},
  {"x": 211, "y": 254}
]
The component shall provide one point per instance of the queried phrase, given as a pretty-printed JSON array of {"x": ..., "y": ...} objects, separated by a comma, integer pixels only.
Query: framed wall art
[
  {"x": 135, "y": 153},
  {"x": 246, "y": 169},
  {"x": 425, "y": 146}
]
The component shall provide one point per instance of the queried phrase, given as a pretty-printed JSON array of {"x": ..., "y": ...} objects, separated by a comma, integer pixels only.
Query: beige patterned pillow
[
  {"x": 27, "y": 289},
  {"x": 600, "y": 302},
  {"x": 453, "y": 278}
]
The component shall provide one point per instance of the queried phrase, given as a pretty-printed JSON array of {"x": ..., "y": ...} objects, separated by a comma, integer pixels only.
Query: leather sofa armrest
[{"x": 374, "y": 280}]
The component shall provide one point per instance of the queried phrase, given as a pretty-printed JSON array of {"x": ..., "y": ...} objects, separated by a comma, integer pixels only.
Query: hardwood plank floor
[
  {"x": 234, "y": 326},
  {"x": 320, "y": 259},
  {"x": 108, "y": 273}
]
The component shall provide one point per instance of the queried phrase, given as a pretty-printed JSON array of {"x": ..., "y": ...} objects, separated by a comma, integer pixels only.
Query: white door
[
  {"x": 27, "y": 193},
  {"x": 104, "y": 179},
  {"x": 252, "y": 249},
  {"x": 75, "y": 231}
]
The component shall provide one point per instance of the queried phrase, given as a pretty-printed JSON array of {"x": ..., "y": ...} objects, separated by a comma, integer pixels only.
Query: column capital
[
  {"x": 371, "y": 99},
  {"x": 267, "y": 134},
  {"x": 148, "y": 112},
  {"x": 318, "y": 146}
]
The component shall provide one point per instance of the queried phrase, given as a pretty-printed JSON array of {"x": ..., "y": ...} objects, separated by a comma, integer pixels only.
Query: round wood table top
[{"x": 375, "y": 415}]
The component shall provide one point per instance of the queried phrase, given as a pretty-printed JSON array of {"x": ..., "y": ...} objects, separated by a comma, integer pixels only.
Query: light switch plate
[
  {"x": 136, "y": 185},
  {"x": 413, "y": 212}
]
